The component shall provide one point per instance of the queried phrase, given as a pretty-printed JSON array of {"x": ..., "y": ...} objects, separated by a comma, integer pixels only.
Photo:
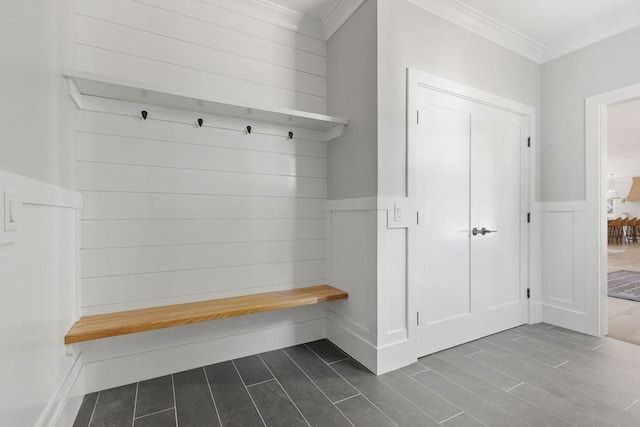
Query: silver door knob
[{"x": 482, "y": 231}]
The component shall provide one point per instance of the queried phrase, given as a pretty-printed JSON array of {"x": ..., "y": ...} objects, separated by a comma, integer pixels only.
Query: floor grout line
[
  {"x": 515, "y": 386},
  {"x": 347, "y": 398},
  {"x": 206, "y": 377},
  {"x": 451, "y": 417},
  {"x": 633, "y": 403},
  {"x": 258, "y": 383},
  {"x": 175, "y": 405},
  {"x": 316, "y": 385},
  {"x": 247, "y": 390},
  {"x": 153, "y": 413},
  {"x": 337, "y": 361},
  {"x": 135, "y": 404},
  {"x": 285, "y": 391},
  {"x": 95, "y": 405}
]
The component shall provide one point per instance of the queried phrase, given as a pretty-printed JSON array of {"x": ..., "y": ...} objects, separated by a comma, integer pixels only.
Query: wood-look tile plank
[
  {"x": 275, "y": 407},
  {"x": 462, "y": 420},
  {"x": 396, "y": 407},
  {"x": 86, "y": 410},
  {"x": 431, "y": 403},
  {"x": 494, "y": 395},
  {"x": 361, "y": 412},
  {"x": 473, "y": 405},
  {"x": 194, "y": 404},
  {"x": 328, "y": 380},
  {"x": 614, "y": 397},
  {"x": 232, "y": 399},
  {"x": 473, "y": 367},
  {"x": 554, "y": 405},
  {"x": 154, "y": 395},
  {"x": 308, "y": 398},
  {"x": 165, "y": 418},
  {"x": 327, "y": 351},
  {"x": 252, "y": 370},
  {"x": 115, "y": 407},
  {"x": 564, "y": 391}
]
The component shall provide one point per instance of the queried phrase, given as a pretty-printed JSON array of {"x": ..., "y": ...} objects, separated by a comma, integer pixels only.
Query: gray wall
[
  {"x": 411, "y": 37},
  {"x": 566, "y": 82},
  {"x": 36, "y": 116},
  {"x": 351, "y": 88}
]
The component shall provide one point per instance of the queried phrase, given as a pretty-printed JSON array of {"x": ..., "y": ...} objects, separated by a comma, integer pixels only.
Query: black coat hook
[
  {"x": 200, "y": 121},
  {"x": 290, "y": 135},
  {"x": 144, "y": 114},
  {"x": 248, "y": 129}
]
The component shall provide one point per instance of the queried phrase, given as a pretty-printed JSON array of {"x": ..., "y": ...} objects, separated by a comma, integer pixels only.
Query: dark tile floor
[{"x": 535, "y": 375}]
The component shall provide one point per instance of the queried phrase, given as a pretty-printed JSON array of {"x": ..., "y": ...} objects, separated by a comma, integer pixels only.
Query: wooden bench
[{"x": 147, "y": 319}]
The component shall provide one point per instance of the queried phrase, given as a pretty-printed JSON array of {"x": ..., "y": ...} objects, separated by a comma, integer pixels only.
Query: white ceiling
[
  {"x": 549, "y": 22},
  {"x": 538, "y": 29}
]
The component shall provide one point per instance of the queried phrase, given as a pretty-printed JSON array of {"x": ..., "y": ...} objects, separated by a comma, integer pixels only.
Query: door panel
[
  {"x": 445, "y": 176},
  {"x": 470, "y": 175}
]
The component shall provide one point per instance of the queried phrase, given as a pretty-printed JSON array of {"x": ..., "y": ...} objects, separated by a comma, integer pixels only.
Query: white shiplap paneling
[
  {"x": 202, "y": 49},
  {"x": 174, "y": 212}
]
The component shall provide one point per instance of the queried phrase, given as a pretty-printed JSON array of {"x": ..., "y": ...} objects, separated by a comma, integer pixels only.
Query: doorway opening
[
  {"x": 623, "y": 220},
  {"x": 603, "y": 204}
]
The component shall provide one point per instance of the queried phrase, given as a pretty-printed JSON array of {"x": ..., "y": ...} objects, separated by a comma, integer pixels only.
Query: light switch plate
[{"x": 10, "y": 211}]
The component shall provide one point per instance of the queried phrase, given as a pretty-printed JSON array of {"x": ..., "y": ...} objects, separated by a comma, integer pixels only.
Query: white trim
[
  {"x": 33, "y": 192},
  {"x": 274, "y": 14},
  {"x": 484, "y": 26},
  {"x": 416, "y": 79},
  {"x": 60, "y": 401},
  {"x": 596, "y": 199},
  {"x": 338, "y": 15}
]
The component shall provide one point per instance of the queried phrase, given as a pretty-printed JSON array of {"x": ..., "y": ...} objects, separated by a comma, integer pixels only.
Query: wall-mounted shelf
[{"x": 114, "y": 88}]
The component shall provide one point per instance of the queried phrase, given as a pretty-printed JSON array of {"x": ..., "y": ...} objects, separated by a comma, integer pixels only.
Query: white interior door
[{"x": 471, "y": 174}]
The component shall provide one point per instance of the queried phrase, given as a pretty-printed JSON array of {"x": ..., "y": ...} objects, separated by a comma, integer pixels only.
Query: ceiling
[
  {"x": 538, "y": 29},
  {"x": 550, "y": 22}
]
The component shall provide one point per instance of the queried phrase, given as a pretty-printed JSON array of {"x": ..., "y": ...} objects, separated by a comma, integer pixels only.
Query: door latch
[{"x": 482, "y": 231}]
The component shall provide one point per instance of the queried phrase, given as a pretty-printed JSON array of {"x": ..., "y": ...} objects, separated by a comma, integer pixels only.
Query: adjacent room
[
  {"x": 320, "y": 212},
  {"x": 623, "y": 220}
]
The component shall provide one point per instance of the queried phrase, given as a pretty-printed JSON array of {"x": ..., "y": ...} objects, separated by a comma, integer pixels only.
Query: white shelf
[{"x": 113, "y": 88}]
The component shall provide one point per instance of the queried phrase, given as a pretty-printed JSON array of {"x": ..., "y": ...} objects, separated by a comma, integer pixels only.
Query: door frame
[
  {"x": 419, "y": 79},
  {"x": 596, "y": 203}
]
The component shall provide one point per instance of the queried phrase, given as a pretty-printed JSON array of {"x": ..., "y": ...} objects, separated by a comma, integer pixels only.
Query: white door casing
[
  {"x": 595, "y": 319},
  {"x": 466, "y": 299}
]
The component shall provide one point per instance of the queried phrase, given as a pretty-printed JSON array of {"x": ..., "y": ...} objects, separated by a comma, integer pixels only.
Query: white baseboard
[
  {"x": 130, "y": 368},
  {"x": 64, "y": 404},
  {"x": 352, "y": 344},
  {"x": 564, "y": 318},
  {"x": 395, "y": 356}
]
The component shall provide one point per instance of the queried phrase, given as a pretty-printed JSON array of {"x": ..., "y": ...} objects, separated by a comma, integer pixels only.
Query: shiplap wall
[
  {"x": 210, "y": 49},
  {"x": 174, "y": 212}
]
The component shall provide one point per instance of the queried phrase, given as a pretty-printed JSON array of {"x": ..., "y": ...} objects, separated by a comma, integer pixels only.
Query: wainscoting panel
[{"x": 563, "y": 287}]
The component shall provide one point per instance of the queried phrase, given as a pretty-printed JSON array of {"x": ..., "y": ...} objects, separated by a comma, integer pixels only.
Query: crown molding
[
  {"x": 598, "y": 32},
  {"x": 484, "y": 26},
  {"x": 274, "y": 14},
  {"x": 338, "y": 15}
]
